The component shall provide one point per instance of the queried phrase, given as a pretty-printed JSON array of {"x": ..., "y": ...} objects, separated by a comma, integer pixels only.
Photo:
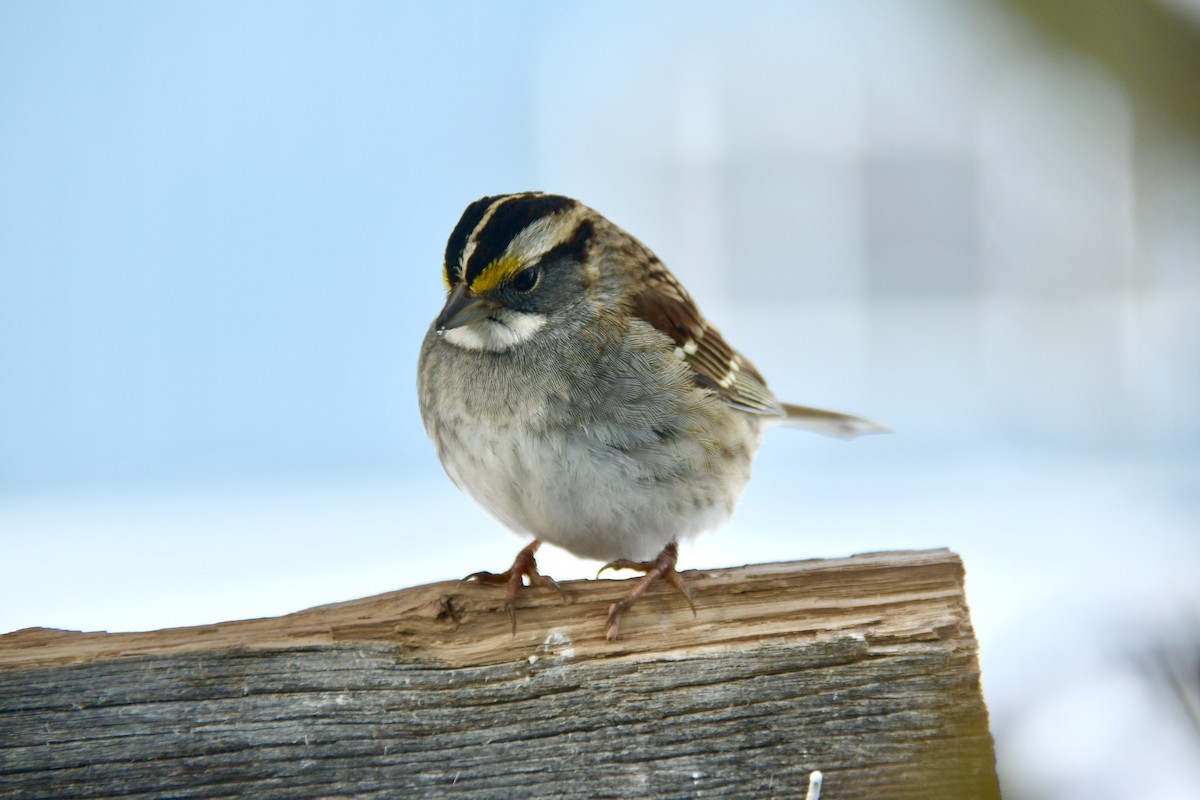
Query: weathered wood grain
[{"x": 864, "y": 668}]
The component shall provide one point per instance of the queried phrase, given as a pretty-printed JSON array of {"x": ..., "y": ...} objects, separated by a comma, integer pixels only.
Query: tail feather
[{"x": 830, "y": 423}]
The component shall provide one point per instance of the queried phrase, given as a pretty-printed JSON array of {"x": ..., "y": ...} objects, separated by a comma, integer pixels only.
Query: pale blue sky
[
  {"x": 221, "y": 226},
  {"x": 221, "y": 232}
]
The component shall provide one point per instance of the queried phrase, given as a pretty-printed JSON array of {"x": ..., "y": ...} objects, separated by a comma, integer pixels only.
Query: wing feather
[{"x": 666, "y": 305}]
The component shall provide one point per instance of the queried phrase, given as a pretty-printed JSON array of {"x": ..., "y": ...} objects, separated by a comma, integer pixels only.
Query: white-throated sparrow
[{"x": 573, "y": 389}]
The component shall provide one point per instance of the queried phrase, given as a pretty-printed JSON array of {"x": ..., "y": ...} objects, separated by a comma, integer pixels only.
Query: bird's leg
[
  {"x": 661, "y": 567},
  {"x": 524, "y": 566}
]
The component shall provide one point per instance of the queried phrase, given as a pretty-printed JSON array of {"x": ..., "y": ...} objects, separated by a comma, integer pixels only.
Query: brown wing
[{"x": 665, "y": 304}]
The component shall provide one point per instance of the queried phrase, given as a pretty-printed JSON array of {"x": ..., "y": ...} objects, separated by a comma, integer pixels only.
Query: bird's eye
[{"x": 525, "y": 280}]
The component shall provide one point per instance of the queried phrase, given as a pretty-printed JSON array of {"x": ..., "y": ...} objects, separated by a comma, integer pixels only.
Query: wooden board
[{"x": 864, "y": 668}]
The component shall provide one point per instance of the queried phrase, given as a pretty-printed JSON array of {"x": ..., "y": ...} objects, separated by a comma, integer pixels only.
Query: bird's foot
[
  {"x": 661, "y": 567},
  {"x": 524, "y": 568}
]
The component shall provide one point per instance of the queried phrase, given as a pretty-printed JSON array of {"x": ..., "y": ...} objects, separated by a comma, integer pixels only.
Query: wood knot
[{"x": 449, "y": 610}]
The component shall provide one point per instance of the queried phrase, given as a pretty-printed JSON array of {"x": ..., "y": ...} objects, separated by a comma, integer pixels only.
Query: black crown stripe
[
  {"x": 462, "y": 231},
  {"x": 508, "y": 220}
]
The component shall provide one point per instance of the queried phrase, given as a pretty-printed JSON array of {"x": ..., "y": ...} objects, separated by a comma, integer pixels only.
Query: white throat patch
[{"x": 504, "y": 331}]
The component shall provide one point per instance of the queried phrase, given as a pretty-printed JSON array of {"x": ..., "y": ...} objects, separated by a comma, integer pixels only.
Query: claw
[
  {"x": 524, "y": 567},
  {"x": 660, "y": 567},
  {"x": 625, "y": 563},
  {"x": 677, "y": 581},
  {"x": 612, "y": 626},
  {"x": 546, "y": 580},
  {"x": 486, "y": 577}
]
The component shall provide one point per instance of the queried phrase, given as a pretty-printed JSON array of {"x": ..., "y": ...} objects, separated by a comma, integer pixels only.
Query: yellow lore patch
[{"x": 496, "y": 273}]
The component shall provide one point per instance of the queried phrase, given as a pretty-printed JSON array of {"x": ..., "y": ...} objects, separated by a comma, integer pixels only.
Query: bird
[{"x": 573, "y": 389}]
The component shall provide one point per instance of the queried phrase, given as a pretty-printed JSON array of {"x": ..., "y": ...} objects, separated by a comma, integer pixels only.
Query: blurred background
[{"x": 221, "y": 228}]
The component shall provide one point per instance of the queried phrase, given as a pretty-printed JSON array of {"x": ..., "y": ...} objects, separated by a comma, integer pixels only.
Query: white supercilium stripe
[
  {"x": 544, "y": 235},
  {"x": 472, "y": 240}
]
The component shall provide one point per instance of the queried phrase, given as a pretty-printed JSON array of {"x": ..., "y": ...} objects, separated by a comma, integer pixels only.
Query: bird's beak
[{"x": 463, "y": 308}]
